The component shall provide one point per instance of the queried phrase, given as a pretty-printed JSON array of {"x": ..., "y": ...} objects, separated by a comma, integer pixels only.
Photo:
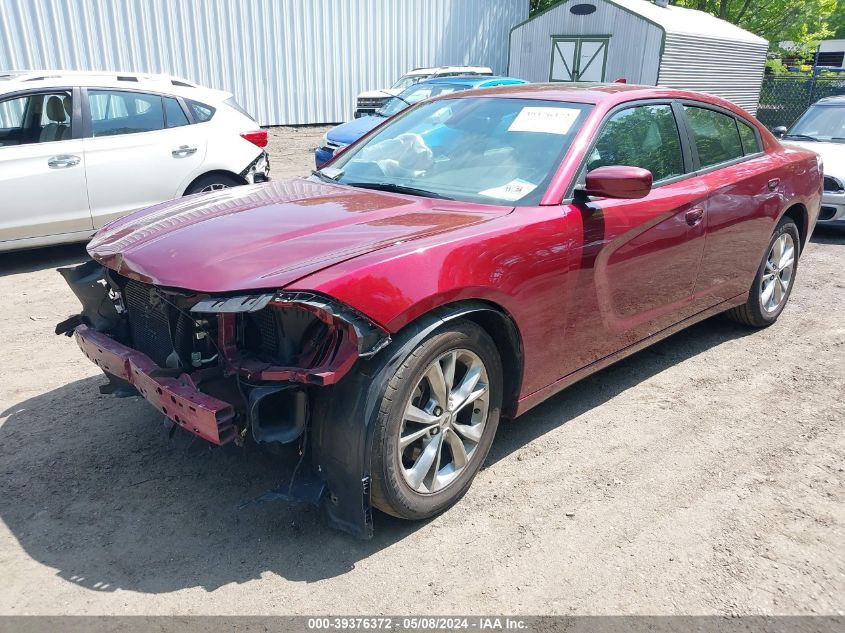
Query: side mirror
[
  {"x": 618, "y": 181},
  {"x": 780, "y": 131}
]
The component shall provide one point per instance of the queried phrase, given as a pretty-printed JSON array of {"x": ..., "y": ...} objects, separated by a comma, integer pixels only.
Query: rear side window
[
  {"x": 174, "y": 114},
  {"x": 716, "y": 136},
  {"x": 201, "y": 111},
  {"x": 643, "y": 136},
  {"x": 750, "y": 144},
  {"x": 119, "y": 112}
]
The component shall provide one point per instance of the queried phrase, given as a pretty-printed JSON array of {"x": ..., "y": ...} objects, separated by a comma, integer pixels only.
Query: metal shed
[
  {"x": 641, "y": 42},
  {"x": 286, "y": 61}
]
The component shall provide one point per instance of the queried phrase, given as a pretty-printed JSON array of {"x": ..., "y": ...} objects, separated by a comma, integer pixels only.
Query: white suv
[
  {"x": 370, "y": 101},
  {"x": 78, "y": 150}
]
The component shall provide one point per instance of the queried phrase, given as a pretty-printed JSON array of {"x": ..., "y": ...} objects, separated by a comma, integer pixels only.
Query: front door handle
[
  {"x": 693, "y": 216},
  {"x": 63, "y": 161},
  {"x": 183, "y": 150},
  {"x": 773, "y": 184}
]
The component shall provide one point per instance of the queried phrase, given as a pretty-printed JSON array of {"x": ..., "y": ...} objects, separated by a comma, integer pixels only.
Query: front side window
[
  {"x": 493, "y": 150},
  {"x": 715, "y": 134},
  {"x": 643, "y": 136},
  {"x": 36, "y": 118},
  {"x": 121, "y": 112}
]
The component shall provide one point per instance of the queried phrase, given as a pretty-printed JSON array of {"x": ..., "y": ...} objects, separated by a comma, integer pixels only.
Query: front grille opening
[
  {"x": 162, "y": 327},
  {"x": 827, "y": 213},
  {"x": 832, "y": 184},
  {"x": 290, "y": 337}
]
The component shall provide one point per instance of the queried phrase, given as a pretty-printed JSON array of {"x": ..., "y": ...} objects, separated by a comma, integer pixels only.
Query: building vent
[{"x": 582, "y": 9}]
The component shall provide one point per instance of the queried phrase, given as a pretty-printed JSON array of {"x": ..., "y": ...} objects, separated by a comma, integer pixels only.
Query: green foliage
[
  {"x": 776, "y": 66},
  {"x": 804, "y": 22},
  {"x": 536, "y": 6}
]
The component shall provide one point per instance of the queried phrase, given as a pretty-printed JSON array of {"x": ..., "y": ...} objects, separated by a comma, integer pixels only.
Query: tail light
[{"x": 258, "y": 137}]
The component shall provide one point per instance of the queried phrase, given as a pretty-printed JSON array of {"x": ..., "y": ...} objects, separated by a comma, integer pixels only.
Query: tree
[{"x": 804, "y": 22}]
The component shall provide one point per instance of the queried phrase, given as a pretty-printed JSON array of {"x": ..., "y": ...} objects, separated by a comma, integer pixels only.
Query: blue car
[{"x": 347, "y": 133}]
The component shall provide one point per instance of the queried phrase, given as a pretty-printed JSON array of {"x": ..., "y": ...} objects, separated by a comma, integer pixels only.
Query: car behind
[
  {"x": 822, "y": 129},
  {"x": 78, "y": 150},
  {"x": 347, "y": 133}
]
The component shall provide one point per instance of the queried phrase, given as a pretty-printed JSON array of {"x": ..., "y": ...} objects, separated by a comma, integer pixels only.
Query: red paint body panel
[
  {"x": 265, "y": 236},
  {"x": 178, "y": 398},
  {"x": 583, "y": 282}
]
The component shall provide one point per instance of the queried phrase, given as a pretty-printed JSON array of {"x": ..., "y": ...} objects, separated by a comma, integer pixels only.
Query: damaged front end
[{"x": 231, "y": 369}]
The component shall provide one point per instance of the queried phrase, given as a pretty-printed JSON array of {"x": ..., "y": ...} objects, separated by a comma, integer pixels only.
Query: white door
[
  {"x": 139, "y": 150},
  {"x": 42, "y": 167},
  {"x": 578, "y": 59}
]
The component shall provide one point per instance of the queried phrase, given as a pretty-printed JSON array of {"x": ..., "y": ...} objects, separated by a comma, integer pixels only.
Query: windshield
[
  {"x": 476, "y": 149},
  {"x": 406, "y": 81},
  {"x": 821, "y": 123},
  {"x": 415, "y": 94}
]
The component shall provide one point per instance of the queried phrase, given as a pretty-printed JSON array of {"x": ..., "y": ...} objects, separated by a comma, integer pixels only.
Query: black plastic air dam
[{"x": 277, "y": 413}]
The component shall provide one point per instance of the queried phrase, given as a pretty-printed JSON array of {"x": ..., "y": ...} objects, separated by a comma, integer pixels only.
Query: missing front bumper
[{"x": 171, "y": 392}]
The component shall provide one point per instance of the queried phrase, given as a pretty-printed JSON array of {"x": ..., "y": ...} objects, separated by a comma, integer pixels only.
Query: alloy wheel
[
  {"x": 217, "y": 186},
  {"x": 444, "y": 421},
  {"x": 780, "y": 264}
]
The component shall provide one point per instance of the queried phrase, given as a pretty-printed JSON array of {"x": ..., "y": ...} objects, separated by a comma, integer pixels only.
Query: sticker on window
[
  {"x": 514, "y": 190},
  {"x": 548, "y": 120}
]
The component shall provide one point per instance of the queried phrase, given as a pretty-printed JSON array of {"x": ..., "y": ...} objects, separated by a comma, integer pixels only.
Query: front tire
[
  {"x": 437, "y": 419},
  {"x": 774, "y": 280}
]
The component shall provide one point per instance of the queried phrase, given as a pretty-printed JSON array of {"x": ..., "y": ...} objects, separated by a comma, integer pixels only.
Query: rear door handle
[
  {"x": 693, "y": 216},
  {"x": 183, "y": 150},
  {"x": 63, "y": 161},
  {"x": 773, "y": 184}
]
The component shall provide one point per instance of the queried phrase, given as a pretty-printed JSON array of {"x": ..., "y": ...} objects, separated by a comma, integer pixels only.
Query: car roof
[
  {"x": 835, "y": 100},
  {"x": 466, "y": 80},
  {"x": 12, "y": 81},
  {"x": 595, "y": 93},
  {"x": 437, "y": 69}
]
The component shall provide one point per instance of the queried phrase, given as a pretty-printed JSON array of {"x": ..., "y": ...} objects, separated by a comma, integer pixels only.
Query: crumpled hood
[
  {"x": 349, "y": 132},
  {"x": 269, "y": 235},
  {"x": 833, "y": 155}
]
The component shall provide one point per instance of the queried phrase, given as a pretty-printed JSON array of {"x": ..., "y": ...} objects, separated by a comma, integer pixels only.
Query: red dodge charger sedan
[{"x": 464, "y": 261}]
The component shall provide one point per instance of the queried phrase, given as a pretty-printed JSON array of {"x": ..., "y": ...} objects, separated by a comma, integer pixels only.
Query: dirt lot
[{"x": 704, "y": 475}]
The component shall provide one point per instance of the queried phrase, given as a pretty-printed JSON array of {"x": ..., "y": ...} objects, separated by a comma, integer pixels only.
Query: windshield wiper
[
  {"x": 802, "y": 137},
  {"x": 394, "y": 188},
  {"x": 395, "y": 97}
]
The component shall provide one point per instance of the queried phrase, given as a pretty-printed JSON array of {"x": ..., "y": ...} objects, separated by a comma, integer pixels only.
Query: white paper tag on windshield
[
  {"x": 548, "y": 120},
  {"x": 514, "y": 190}
]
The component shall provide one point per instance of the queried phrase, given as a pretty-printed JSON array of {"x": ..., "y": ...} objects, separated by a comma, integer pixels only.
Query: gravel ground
[{"x": 703, "y": 475}]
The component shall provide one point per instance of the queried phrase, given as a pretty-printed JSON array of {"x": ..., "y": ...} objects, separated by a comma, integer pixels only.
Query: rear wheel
[
  {"x": 212, "y": 182},
  {"x": 437, "y": 420},
  {"x": 775, "y": 278}
]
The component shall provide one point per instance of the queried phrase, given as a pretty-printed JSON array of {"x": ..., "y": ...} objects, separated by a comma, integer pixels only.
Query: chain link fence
[{"x": 784, "y": 99}]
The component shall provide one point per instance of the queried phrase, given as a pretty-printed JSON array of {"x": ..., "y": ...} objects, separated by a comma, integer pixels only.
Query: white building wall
[{"x": 288, "y": 62}]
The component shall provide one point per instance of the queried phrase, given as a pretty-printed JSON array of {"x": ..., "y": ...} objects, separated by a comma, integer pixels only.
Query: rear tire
[
  {"x": 775, "y": 278},
  {"x": 430, "y": 440},
  {"x": 212, "y": 182}
]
